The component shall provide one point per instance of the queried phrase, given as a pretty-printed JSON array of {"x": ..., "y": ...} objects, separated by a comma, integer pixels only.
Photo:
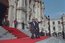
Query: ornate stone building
[
  {"x": 56, "y": 26},
  {"x": 24, "y": 11}
]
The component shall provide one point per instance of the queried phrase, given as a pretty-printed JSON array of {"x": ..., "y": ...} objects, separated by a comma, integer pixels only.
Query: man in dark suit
[
  {"x": 37, "y": 27},
  {"x": 23, "y": 25},
  {"x": 32, "y": 28}
]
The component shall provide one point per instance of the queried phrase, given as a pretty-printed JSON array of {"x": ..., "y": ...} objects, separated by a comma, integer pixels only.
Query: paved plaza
[{"x": 52, "y": 40}]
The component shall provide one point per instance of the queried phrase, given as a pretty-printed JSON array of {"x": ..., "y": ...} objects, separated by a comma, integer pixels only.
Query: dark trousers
[
  {"x": 33, "y": 33},
  {"x": 15, "y": 25},
  {"x": 22, "y": 26},
  {"x": 37, "y": 34}
]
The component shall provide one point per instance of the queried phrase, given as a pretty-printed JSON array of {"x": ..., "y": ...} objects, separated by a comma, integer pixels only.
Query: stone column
[
  {"x": 15, "y": 9},
  {"x": 28, "y": 9},
  {"x": 38, "y": 11},
  {"x": 11, "y": 13},
  {"x": 19, "y": 14},
  {"x": 32, "y": 9}
]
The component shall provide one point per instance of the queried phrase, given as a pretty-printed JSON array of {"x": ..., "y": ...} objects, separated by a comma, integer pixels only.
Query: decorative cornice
[{"x": 22, "y": 8}]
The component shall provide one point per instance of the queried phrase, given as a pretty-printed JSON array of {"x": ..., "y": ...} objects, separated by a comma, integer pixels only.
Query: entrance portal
[{"x": 3, "y": 11}]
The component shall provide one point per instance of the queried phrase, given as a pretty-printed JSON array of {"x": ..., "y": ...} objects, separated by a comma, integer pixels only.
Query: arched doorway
[{"x": 3, "y": 10}]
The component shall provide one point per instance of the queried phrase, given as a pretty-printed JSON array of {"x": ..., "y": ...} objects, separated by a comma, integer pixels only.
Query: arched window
[
  {"x": 58, "y": 22},
  {"x": 53, "y": 22},
  {"x": 54, "y": 28}
]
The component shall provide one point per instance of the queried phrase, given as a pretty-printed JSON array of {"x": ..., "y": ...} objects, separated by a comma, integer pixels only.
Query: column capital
[{"x": 11, "y": 6}]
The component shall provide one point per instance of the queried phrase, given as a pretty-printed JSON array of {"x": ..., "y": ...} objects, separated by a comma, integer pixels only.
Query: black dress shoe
[{"x": 32, "y": 37}]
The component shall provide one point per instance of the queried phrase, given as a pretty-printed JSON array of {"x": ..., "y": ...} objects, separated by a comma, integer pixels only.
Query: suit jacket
[
  {"x": 32, "y": 25},
  {"x": 37, "y": 25}
]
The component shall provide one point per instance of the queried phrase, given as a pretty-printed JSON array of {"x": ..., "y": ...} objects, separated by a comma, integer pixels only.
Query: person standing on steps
[
  {"x": 23, "y": 25},
  {"x": 15, "y": 23},
  {"x": 32, "y": 28},
  {"x": 37, "y": 28}
]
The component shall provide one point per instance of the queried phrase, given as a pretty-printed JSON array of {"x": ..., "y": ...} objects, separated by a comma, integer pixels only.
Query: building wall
[
  {"x": 22, "y": 10},
  {"x": 57, "y": 25},
  {"x": 64, "y": 21},
  {"x": 44, "y": 25}
]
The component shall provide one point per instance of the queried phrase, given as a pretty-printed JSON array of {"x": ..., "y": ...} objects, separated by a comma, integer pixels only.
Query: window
[
  {"x": 53, "y": 22},
  {"x": 54, "y": 28},
  {"x": 58, "y": 22}
]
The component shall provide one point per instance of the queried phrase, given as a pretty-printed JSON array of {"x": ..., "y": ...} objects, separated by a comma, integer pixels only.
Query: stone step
[{"x": 4, "y": 34}]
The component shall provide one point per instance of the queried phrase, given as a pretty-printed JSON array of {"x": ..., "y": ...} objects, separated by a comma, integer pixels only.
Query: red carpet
[
  {"x": 15, "y": 32},
  {"x": 24, "y": 40}
]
